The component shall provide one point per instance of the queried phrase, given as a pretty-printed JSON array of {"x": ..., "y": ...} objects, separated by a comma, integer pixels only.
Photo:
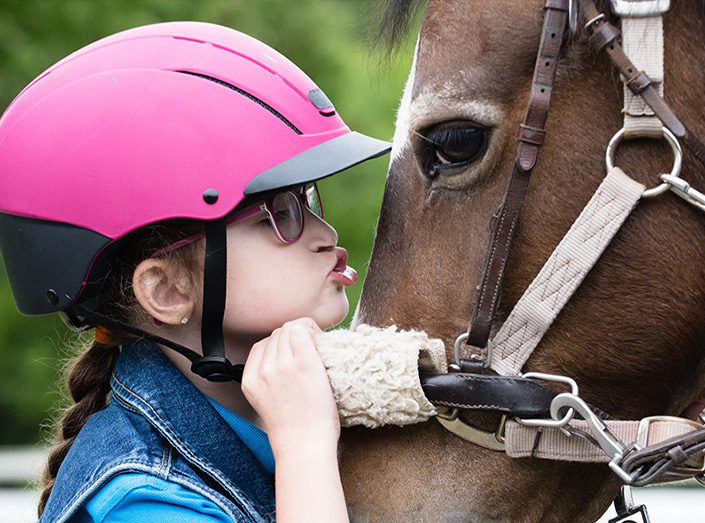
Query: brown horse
[{"x": 632, "y": 336}]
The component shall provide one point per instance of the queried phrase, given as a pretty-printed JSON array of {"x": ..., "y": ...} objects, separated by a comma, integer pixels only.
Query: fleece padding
[{"x": 374, "y": 374}]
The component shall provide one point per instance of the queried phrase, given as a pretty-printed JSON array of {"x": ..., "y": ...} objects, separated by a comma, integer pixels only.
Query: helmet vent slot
[{"x": 247, "y": 95}]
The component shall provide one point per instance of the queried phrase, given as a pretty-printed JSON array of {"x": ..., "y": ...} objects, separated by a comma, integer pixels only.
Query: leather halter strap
[
  {"x": 531, "y": 137},
  {"x": 605, "y": 37},
  {"x": 522, "y": 397}
]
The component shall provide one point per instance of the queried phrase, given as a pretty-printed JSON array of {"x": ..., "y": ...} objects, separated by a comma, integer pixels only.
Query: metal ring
[
  {"x": 601, "y": 16},
  {"x": 456, "y": 349},
  {"x": 461, "y": 339},
  {"x": 573, "y": 15},
  {"x": 677, "y": 159}
]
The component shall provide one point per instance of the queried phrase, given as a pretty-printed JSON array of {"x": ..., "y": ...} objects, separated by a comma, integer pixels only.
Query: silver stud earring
[{"x": 184, "y": 321}]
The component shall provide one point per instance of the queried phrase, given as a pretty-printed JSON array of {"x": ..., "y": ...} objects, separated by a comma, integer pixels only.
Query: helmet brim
[{"x": 319, "y": 162}]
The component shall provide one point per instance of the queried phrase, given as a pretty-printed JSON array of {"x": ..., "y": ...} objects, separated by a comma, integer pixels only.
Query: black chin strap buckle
[{"x": 217, "y": 368}]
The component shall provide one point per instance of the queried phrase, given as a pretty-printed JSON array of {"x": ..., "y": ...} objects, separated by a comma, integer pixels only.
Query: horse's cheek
[{"x": 383, "y": 278}]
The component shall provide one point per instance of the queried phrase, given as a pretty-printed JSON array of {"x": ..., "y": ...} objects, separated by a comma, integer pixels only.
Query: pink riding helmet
[{"x": 173, "y": 120}]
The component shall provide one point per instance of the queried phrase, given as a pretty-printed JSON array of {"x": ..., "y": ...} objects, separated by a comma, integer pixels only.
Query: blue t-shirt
[{"x": 136, "y": 497}]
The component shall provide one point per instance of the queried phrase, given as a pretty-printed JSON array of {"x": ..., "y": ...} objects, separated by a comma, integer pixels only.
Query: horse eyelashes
[{"x": 452, "y": 146}]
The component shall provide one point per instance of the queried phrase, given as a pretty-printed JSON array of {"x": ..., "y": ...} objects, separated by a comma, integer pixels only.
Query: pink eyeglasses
[{"x": 285, "y": 211}]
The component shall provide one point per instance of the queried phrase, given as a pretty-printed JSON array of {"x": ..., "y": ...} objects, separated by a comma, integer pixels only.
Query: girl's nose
[{"x": 318, "y": 234}]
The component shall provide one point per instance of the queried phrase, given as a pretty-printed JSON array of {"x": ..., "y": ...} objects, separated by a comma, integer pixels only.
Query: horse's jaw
[{"x": 424, "y": 474}]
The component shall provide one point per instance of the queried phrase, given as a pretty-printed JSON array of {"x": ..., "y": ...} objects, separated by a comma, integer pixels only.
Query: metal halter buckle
[
  {"x": 450, "y": 420},
  {"x": 556, "y": 421},
  {"x": 461, "y": 339},
  {"x": 573, "y": 15}
]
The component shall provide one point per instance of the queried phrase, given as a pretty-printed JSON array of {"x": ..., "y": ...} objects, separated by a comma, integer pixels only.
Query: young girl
[{"x": 157, "y": 186}]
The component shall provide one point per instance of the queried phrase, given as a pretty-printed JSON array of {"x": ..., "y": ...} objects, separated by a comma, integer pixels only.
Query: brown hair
[{"x": 88, "y": 375}]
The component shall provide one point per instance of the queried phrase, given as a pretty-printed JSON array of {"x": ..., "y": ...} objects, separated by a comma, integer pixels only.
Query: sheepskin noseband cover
[{"x": 374, "y": 374}]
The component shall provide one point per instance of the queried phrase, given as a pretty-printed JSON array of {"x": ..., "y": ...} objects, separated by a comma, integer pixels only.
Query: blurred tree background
[{"x": 329, "y": 39}]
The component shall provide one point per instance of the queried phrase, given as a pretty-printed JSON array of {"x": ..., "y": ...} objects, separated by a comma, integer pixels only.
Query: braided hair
[
  {"x": 88, "y": 376},
  {"x": 89, "y": 386}
]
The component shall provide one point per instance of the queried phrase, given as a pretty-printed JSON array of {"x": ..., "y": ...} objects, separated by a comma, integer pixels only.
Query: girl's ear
[{"x": 164, "y": 292}]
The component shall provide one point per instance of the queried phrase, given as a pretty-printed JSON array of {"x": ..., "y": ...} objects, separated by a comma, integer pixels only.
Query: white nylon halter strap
[
  {"x": 553, "y": 443},
  {"x": 533, "y": 314},
  {"x": 642, "y": 40},
  {"x": 581, "y": 247}
]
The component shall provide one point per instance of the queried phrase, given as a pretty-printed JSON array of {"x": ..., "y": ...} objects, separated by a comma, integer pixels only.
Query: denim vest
[{"x": 159, "y": 423}]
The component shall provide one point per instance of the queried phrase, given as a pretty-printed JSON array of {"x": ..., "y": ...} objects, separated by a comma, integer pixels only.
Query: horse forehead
[
  {"x": 493, "y": 44},
  {"x": 478, "y": 77}
]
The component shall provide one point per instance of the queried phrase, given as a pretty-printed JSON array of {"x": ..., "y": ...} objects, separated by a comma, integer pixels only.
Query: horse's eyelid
[
  {"x": 451, "y": 166},
  {"x": 443, "y": 135}
]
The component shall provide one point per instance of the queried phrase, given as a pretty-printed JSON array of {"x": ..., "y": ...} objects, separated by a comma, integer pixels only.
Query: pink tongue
[{"x": 350, "y": 273}]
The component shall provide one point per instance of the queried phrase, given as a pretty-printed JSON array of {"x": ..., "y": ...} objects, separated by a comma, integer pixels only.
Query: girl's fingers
[
  {"x": 287, "y": 358},
  {"x": 262, "y": 355},
  {"x": 312, "y": 325},
  {"x": 284, "y": 349},
  {"x": 254, "y": 359},
  {"x": 303, "y": 333},
  {"x": 316, "y": 329},
  {"x": 271, "y": 350},
  {"x": 308, "y": 323},
  {"x": 302, "y": 344}
]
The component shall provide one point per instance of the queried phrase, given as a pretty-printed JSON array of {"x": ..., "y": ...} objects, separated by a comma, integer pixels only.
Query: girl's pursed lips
[{"x": 341, "y": 272}]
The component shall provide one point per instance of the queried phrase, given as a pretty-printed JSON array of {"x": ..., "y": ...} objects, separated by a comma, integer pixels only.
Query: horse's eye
[{"x": 452, "y": 146}]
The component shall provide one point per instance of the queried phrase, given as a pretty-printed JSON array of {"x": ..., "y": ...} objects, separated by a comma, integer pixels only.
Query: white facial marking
[
  {"x": 401, "y": 129},
  {"x": 437, "y": 103}
]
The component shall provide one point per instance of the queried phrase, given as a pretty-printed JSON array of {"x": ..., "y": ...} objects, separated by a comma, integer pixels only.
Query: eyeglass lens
[
  {"x": 287, "y": 214},
  {"x": 286, "y": 210},
  {"x": 313, "y": 199}
]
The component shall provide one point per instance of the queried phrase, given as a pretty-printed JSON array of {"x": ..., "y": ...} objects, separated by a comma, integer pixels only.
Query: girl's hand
[{"x": 286, "y": 383}]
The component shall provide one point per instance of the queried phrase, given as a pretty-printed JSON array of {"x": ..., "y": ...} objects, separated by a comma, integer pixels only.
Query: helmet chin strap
[
  {"x": 213, "y": 365},
  {"x": 81, "y": 317}
]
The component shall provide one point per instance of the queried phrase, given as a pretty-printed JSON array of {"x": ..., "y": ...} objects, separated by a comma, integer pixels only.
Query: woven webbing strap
[
  {"x": 642, "y": 41},
  {"x": 570, "y": 262},
  {"x": 655, "y": 449},
  {"x": 552, "y": 443}
]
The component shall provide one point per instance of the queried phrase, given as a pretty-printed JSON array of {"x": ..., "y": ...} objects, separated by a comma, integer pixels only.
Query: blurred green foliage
[{"x": 329, "y": 39}]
